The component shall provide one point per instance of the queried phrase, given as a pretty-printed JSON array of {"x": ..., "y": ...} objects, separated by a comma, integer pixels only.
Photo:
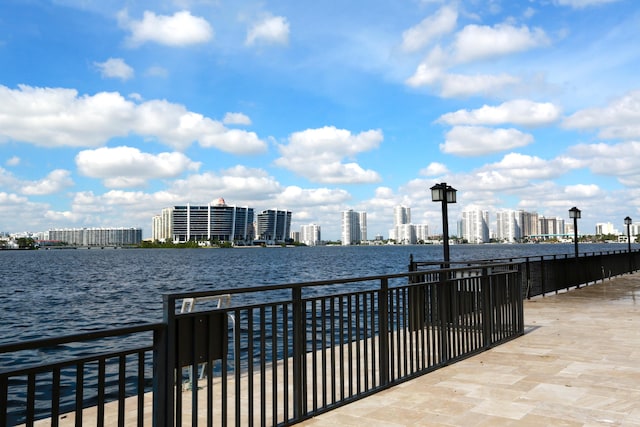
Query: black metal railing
[
  {"x": 76, "y": 379},
  {"x": 306, "y": 348},
  {"x": 545, "y": 274}
]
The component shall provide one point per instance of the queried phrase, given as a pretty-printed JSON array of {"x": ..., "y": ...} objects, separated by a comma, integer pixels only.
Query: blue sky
[{"x": 111, "y": 111}]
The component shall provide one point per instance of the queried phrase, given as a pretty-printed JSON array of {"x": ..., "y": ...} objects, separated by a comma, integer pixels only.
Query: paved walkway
[{"x": 577, "y": 365}]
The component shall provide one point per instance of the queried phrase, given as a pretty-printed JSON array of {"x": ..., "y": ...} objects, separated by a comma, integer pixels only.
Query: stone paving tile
[{"x": 577, "y": 365}]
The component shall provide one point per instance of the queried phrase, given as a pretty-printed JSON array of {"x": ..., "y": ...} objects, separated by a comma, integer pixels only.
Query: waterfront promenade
[{"x": 577, "y": 365}]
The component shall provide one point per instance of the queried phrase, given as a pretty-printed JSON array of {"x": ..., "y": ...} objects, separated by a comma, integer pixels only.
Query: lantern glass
[
  {"x": 451, "y": 195},
  {"x": 627, "y": 221},
  {"x": 437, "y": 193},
  {"x": 574, "y": 212}
]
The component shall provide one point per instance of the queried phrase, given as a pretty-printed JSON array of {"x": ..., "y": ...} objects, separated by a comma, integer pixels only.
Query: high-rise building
[
  {"x": 354, "y": 227},
  {"x": 273, "y": 226},
  {"x": 217, "y": 221},
  {"x": 310, "y": 235},
  {"x": 475, "y": 226},
  {"x": 551, "y": 227},
  {"x": 507, "y": 226},
  {"x": 528, "y": 222},
  {"x": 401, "y": 215}
]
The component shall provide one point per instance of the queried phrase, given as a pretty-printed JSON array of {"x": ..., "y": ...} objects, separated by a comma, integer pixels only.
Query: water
[{"x": 55, "y": 292}]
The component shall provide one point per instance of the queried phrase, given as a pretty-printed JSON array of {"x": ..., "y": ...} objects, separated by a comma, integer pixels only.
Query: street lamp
[
  {"x": 627, "y": 222},
  {"x": 575, "y": 214},
  {"x": 445, "y": 194}
]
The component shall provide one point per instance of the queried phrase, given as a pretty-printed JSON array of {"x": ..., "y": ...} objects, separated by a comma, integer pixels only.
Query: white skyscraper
[
  {"x": 475, "y": 226},
  {"x": 310, "y": 234},
  {"x": 354, "y": 227},
  {"x": 507, "y": 226},
  {"x": 401, "y": 215}
]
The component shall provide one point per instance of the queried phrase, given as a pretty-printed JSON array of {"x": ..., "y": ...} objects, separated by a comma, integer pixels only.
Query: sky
[{"x": 112, "y": 110}]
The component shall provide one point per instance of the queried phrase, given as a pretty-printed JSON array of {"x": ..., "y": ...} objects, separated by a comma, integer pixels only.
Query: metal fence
[
  {"x": 275, "y": 356},
  {"x": 545, "y": 274}
]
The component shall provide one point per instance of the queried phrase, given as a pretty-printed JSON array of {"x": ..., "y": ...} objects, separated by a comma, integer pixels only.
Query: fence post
[
  {"x": 383, "y": 316},
  {"x": 444, "y": 299},
  {"x": 164, "y": 359},
  {"x": 299, "y": 333},
  {"x": 487, "y": 309}
]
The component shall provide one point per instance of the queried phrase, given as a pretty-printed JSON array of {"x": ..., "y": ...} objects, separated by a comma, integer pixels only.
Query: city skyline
[{"x": 110, "y": 111}]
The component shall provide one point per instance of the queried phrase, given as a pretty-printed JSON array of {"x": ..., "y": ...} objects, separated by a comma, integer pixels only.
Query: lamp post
[
  {"x": 627, "y": 222},
  {"x": 575, "y": 214},
  {"x": 445, "y": 194}
]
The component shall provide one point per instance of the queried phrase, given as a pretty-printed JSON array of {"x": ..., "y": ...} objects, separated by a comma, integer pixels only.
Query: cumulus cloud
[
  {"x": 54, "y": 182},
  {"x": 520, "y": 111},
  {"x": 270, "y": 30},
  {"x": 619, "y": 160},
  {"x": 479, "y": 42},
  {"x": 442, "y": 22},
  {"x": 475, "y": 43},
  {"x": 434, "y": 169},
  {"x": 54, "y": 117},
  {"x": 236, "y": 119},
  {"x": 306, "y": 197},
  {"x": 521, "y": 166},
  {"x": 478, "y": 141},
  {"x": 179, "y": 29},
  {"x": 318, "y": 154},
  {"x": 115, "y": 68},
  {"x": 620, "y": 119},
  {"x": 243, "y": 182},
  {"x": 128, "y": 167}
]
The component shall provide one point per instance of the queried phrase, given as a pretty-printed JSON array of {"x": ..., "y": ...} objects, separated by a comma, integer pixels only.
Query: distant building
[
  {"x": 507, "y": 226},
  {"x": 603, "y": 228},
  {"x": 273, "y": 226},
  {"x": 217, "y": 222},
  {"x": 353, "y": 227},
  {"x": 475, "y": 226},
  {"x": 97, "y": 236},
  {"x": 310, "y": 235}
]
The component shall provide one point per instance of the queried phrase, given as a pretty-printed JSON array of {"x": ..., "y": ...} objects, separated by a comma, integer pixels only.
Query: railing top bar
[
  {"x": 288, "y": 286},
  {"x": 84, "y": 336},
  {"x": 534, "y": 257}
]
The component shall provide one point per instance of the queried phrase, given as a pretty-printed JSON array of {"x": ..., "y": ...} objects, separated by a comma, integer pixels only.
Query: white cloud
[
  {"x": 519, "y": 111},
  {"x": 236, "y": 119},
  {"x": 240, "y": 181},
  {"x": 156, "y": 71},
  {"x": 442, "y": 22},
  {"x": 477, "y": 140},
  {"x": 270, "y": 30},
  {"x": 454, "y": 85},
  {"x": 115, "y": 68},
  {"x": 53, "y": 117},
  {"x": 295, "y": 196},
  {"x": 13, "y": 161},
  {"x": 580, "y": 4},
  {"x": 179, "y": 29},
  {"x": 121, "y": 167},
  {"x": 620, "y": 119},
  {"x": 318, "y": 154},
  {"x": 619, "y": 160},
  {"x": 434, "y": 169},
  {"x": 521, "y": 166},
  {"x": 580, "y": 191},
  {"x": 55, "y": 182},
  {"x": 476, "y": 42}
]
